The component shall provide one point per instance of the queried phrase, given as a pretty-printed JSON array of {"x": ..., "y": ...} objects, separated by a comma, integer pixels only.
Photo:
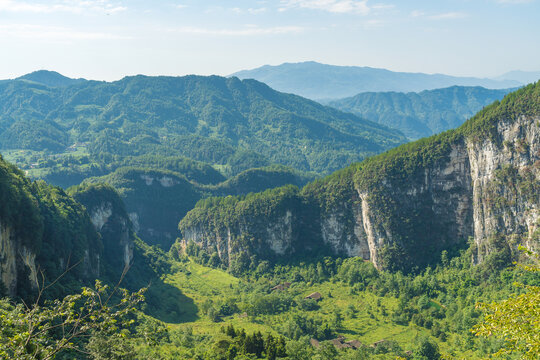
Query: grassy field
[{"x": 366, "y": 317}]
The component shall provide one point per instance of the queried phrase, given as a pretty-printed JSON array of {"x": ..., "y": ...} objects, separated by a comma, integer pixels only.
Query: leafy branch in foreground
[
  {"x": 516, "y": 320},
  {"x": 42, "y": 332}
]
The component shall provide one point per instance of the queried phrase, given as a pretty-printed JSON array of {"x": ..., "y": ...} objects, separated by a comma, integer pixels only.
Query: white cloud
[
  {"x": 252, "y": 11},
  {"x": 441, "y": 16},
  {"x": 255, "y": 11},
  {"x": 72, "y": 6},
  {"x": 53, "y": 33},
  {"x": 333, "y": 6},
  {"x": 383, "y": 6},
  {"x": 374, "y": 23},
  {"x": 448, "y": 16},
  {"x": 246, "y": 31}
]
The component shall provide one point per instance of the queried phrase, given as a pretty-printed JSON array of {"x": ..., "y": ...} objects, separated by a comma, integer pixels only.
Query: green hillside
[
  {"x": 257, "y": 303},
  {"x": 421, "y": 114},
  {"x": 42, "y": 229},
  {"x": 231, "y": 124}
]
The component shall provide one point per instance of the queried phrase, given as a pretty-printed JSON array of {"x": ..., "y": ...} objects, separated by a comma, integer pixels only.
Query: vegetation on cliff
[{"x": 386, "y": 180}]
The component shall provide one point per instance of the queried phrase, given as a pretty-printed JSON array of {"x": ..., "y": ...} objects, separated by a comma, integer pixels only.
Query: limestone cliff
[
  {"x": 110, "y": 219},
  {"x": 402, "y": 208}
]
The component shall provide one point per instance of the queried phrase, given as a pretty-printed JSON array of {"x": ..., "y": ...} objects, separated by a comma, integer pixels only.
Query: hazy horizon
[{"x": 110, "y": 39}]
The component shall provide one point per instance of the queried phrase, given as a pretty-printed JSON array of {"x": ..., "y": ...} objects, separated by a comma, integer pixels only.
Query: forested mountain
[
  {"x": 400, "y": 209},
  {"x": 231, "y": 124},
  {"x": 50, "y": 78},
  {"x": 421, "y": 114},
  {"x": 320, "y": 81}
]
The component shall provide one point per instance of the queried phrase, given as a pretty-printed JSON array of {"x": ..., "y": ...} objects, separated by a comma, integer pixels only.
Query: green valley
[{"x": 389, "y": 258}]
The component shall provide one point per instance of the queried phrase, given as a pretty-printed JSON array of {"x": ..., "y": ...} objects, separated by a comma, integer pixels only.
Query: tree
[
  {"x": 427, "y": 350},
  {"x": 328, "y": 351},
  {"x": 299, "y": 350},
  {"x": 515, "y": 320},
  {"x": 42, "y": 332}
]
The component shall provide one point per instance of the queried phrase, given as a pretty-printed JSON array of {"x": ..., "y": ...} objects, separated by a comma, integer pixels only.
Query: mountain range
[
  {"x": 230, "y": 123},
  {"x": 386, "y": 258},
  {"x": 320, "y": 81}
]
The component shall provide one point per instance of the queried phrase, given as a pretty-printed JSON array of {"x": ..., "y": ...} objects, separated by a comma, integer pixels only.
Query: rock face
[
  {"x": 116, "y": 233},
  {"x": 110, "y": 219},
  {"x": 8, "y": 259},
  {"x": 401, "y": 209},
  {"x": 505, "y": 182}
]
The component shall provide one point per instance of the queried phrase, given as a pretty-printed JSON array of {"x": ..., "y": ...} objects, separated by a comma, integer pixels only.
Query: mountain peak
[{"x": 50, "y": 78}]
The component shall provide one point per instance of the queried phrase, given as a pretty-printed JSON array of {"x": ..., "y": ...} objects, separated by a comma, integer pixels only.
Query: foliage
[
  {"x": 43, "y": 332},
  {"x": 402, "y": 190},
  {"x": 516, "y": 320}
]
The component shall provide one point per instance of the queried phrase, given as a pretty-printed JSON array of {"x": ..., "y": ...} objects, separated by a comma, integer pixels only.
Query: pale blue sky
[{"x": 108, "y": 39}]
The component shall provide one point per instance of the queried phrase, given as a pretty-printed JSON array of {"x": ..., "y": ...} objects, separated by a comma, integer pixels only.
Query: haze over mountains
[
  {"x": 320, "y": 81},
  {"x": 524, "y": 77}
]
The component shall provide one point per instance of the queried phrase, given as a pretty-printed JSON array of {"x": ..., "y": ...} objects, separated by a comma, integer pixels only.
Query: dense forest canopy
[{"x": 231, "y": 124}]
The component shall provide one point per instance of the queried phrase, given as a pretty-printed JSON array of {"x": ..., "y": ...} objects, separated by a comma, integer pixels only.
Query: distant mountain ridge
[
  {"x": 321, "y": 81},
  {"x": 421, "y": 114},
  {"x": 525, "y": 77}
]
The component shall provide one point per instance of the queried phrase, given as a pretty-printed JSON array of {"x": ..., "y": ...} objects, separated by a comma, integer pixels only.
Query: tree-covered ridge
[
  {"x": 50, "y": 78},
  {"x": 419, "y": 154},
  {"x": 387, "y": 177},
  {"x": 230, "y": 123},
  {"x": 421, "y": 114}
]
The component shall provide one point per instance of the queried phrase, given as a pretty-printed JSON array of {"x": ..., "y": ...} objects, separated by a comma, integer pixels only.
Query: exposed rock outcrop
[{"x": 113, "y": 223}]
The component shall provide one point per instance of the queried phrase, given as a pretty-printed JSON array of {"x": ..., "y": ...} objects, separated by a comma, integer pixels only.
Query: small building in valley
[
  {"x": 281, "y": 287},
  {"x": 314, "y": 296},
  {"x": 341, "y": 343}
]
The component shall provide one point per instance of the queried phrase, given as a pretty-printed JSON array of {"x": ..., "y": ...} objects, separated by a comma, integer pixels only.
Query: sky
[{"x": 110, "y": 39}]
